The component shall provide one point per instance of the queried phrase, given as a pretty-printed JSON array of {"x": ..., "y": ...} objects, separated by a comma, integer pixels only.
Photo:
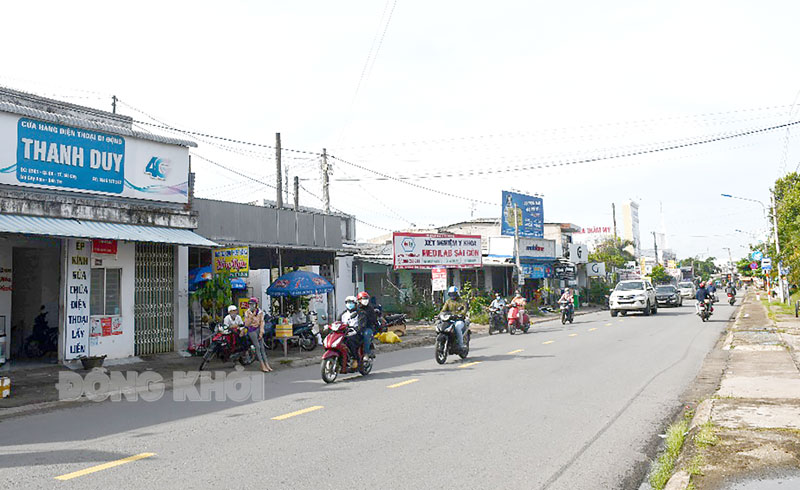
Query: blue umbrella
[
  {"x": 199, "y": 276},
  {"x": 237, "y": 283},
  {"x": 299, "y": 283}
]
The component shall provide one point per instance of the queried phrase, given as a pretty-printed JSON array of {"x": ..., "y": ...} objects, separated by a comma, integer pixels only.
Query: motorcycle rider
[
  {"x": 712, "y": 290},
  {"x": 350, "y": 317},
  {"x": 702, "y": 294},
  {"x": 498, "y": 305},
  {"x": 232, "y": 320},
  {"x": 370, "y": 324},
  {"x": 568, "y": 298},
  {"x": 730, "y": 288},
  {"x": 456, "y": 306}
]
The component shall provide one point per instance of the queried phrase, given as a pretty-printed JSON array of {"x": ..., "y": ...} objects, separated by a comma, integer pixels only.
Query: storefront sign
[
  {"x": 105, "y": 326},
  {"x": 41, "y": 154},
  {"x": 284, "y": 329},
  {"x": 578, "y": 253},
  {"x": 438, "y": 279},
  {"x": 236, "y": 261},
  {"x": 596, "y": 269},
  {"x": 106, "y": 247},
  {"x": 5, "y": 280},
  {"x": 564, "y": 271},
  {"x": 534, "y": 271},
  {"x": 430, "y": 250},
  {"x": 529, "y": 215},
  {"x": 76, "y": 332},
  {"x": 538, "y": 249}
]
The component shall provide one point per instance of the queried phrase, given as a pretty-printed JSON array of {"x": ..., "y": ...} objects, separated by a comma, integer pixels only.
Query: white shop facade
[{"x": 95, "y": 225}]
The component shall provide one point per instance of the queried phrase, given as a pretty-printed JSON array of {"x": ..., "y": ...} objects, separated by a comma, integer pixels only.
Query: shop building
[{"x": 95, "y": 224}]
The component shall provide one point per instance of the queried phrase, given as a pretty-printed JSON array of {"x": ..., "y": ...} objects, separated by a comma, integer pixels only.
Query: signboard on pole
[
  {"x": 753, "y": 265},
  {"x": 76, "y": 331},
  {"x": 596, "y": 269},
  {"x": 432, "y": 250},
  {"x": 564, "y": 271},
  {"x": 438, "y": 279},
  {"x": 236, "y": 261},
  {"x": 529, "y": 215},
  {"x": 757, "y": 255},
  {"x": 578, "y": 253},
  {"x": 766, "y": 264}
]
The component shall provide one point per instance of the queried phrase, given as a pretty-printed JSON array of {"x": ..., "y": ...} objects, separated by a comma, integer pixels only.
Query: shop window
[{"x": 105, "y": 294}]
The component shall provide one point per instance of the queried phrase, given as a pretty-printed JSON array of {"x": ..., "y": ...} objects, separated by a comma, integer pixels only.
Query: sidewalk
[
  {"x": 751, "y": 427},
  {"x": 34, "y": 389}
]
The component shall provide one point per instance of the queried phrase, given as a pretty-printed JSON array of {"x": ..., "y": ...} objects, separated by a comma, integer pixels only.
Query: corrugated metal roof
[
  {"x": 59, "y": 227},
  {"x": 52, "y": 117}
]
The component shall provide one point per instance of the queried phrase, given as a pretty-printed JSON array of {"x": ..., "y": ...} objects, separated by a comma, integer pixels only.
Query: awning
[{"x": 59, "y": 227}]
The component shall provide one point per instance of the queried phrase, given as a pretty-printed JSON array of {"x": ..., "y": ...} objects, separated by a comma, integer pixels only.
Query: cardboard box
[{"x": 5, "y": 387}]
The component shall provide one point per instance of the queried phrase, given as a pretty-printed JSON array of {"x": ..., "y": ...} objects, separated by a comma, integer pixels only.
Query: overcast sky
[{"x": 421, "y": 88}]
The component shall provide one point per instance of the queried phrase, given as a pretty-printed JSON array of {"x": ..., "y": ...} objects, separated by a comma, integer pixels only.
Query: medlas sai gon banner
[
  {"x": 432, "y": 250},
  {"x": 530, "y": 215},
  {"x": 52, "y": 156}
]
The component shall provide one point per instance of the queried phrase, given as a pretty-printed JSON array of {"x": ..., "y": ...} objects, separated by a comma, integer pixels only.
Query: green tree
[
  {"x": 611, "y": 252},
  {"x": 659, "y": 275},
  {"x": 703, "y": 268},
  {"x": 787, "y": 208},
  {"x": 215, "y": 295}
]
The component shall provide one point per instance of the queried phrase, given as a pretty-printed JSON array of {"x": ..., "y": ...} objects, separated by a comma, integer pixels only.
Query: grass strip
[{"x": 664, "y": 465}]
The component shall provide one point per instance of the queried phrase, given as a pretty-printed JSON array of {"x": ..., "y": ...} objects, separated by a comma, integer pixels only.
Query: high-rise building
[{"x": 630, "y": 226}]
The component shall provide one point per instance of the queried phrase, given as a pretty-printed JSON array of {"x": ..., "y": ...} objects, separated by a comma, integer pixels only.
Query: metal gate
[{"x": 154, "y": 296}]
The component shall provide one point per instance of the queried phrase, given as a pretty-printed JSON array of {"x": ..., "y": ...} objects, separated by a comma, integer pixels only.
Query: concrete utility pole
[
  {"x": 655, "y": 247},
  {"x": 614, "y": 218},
  {"x": 326, "y": 197},
  {"x": 777, "y": 244},
  {"x": 278, "y": 176},
  {"x": 520, "y": 276},
  {"x": 296, "y": 193},
  {"x": 114, "y": 104}
]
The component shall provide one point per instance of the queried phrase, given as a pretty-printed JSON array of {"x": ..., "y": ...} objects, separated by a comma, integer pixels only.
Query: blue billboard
[
  {"x": 529, "y": 215},
  {"x": 62, "y": 156}
]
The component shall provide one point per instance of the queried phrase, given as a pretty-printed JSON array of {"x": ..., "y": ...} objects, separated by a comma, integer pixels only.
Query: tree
[
  {"x": 703, "y": 268},
  {"x": 611, "y": 252},
  {"x": 787, "y": 207},
  {"x": 659, "y": 275},
  {"x": 215, "y": 295}
]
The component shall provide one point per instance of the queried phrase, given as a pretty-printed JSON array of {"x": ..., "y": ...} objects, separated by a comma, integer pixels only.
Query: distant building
[{"x": 630, "y": 227}]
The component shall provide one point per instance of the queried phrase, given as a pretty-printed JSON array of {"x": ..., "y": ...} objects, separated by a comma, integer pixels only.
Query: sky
[{"x": 449, "y": 99}]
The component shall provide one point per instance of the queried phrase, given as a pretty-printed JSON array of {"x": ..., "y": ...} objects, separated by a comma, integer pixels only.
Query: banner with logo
[
  {"x": 537, "y": 249},
  {"x": 529, "y": 215},
  {"x": 596, "y": 269},
  {"x": 235, "y": 261},
  {"x": 431, "y": 250},
  {"x": 45, "y": 155}
]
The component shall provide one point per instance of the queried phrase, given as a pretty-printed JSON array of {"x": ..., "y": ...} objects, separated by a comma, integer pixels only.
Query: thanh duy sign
[
  {"x": 45, "y": 155},
  {"x": 235, "y": 261},
  {"x": 432, "y": 250},
  {"x": 522, "y": 211}
]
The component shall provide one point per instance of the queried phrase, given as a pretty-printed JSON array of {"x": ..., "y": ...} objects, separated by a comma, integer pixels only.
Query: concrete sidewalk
[{"x": 755, "y": 415}]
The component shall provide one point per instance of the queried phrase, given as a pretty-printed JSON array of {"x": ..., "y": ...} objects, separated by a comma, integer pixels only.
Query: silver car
[
  {"x": 634, "y": 295},
  {"x": 687, "y": 289}
]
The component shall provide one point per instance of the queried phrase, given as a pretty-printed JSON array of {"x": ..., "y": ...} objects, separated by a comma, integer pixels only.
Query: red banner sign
[{"x": 107, "y": 247}]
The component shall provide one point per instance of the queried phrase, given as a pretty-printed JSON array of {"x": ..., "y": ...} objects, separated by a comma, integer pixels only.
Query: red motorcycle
[
  {"x": 229, "y": 346},
  {"x": 518, "y": 318},
  {"x": 337, "y": 358}
]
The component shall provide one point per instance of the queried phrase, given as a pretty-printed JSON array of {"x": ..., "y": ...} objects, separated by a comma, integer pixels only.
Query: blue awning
[{"x": 73, "y": 228}]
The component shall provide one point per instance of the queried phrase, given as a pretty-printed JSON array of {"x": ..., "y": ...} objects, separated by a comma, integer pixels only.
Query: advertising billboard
[
  {"x": 45, "y": 155},
  {"x": 235, "y": 261},
  {"x": 432, "y": 250},
  {"x": 529, "y": 215}
]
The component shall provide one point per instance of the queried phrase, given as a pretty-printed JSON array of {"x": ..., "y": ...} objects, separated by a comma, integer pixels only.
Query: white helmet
[{"x": 232, "y": 308}]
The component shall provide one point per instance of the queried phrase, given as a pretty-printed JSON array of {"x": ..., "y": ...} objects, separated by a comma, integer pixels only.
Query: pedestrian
[{"x": 254, "y": 321}]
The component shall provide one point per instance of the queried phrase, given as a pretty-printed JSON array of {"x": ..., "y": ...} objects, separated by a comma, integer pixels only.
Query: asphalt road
[{"x": 569, "y": 407}]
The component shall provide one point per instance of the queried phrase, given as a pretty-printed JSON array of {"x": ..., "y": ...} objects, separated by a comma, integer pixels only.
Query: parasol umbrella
[{"x": 299, "y": 283}]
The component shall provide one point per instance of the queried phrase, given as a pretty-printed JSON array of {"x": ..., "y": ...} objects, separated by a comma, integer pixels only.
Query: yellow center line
[
  {"x": 592, "y": 329},
  {"x": 397, "y": 385},
  {"x": 104, "y": 466},
  {"x": 469, "y": 364},
  {"x": 299, "y": 412},
  {"x": 548, "y": 342},
  {"x": 516, "y": 351},
  {"x": 573, "y": 335},
  {"x": 609, "y": 324}
]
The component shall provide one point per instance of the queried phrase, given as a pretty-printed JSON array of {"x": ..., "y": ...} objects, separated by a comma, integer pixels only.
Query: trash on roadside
[{"x": 389, "y": 338}]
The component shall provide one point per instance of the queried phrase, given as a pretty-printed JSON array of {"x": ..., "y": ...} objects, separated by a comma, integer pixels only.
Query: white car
[
  {"x": 634, "y": 295},
  {"x": 687, "y": 289}
]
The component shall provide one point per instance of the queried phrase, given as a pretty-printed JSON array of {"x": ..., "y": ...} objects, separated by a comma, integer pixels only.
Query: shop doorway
[{"x": 36, "y": 276}]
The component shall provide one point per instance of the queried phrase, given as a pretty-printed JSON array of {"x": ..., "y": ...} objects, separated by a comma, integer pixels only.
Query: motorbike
[
  {"x": 393, "y": 322},
  {"x": 337, "y": 358},
  {"x": 567, "y": 315},
  {"x": 446, "y": 342},
  {"x": 305, "y": 335},
  {"x": 518, "y": 319},
  {"x": 731, "y": 298},
  {"x": 229, "y": 346},
  {"x": 497, "y": 320},
  {"x": 705, "y": 310},
  {"x": 44, "y": 338}
]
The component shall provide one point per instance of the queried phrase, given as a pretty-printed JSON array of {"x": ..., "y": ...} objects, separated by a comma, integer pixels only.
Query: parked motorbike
[
  {"x": 705, "y": 310},
  {"x": 338, "y": 358},
  {"x": 518, "y": 319},
  {"x": 567, "y": 314},
  {"x": 229, "y": 346},
  {"x": 44, "y": 338},
  {"x": 497, "y": 320},
  {"x": 304, "y": 335},
  {"x": 446, "y": 342}
]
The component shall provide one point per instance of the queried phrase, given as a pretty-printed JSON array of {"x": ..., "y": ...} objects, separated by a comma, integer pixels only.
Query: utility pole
[
  {"x": 520, "y": 276},
  {"x": 278, "y": 177},
  {"x": 777, "y": 243},
  {"x": 326, "y": 197},
  {"x": 655, "y": 246},
  {"x": 296, "y": 193},
  {"x": 614, "y": 218},
  {"x": 114, "y": 104}
]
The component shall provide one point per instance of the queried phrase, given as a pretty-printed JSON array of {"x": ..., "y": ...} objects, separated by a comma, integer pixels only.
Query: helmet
[
  {"x": 350, "y": 302},
  {"x": 453, "y": 289},
  {"x": 363, "y": 298},
  {"x": 496, "y": 295},
  {"x": 253, "y": 300},
  {"x": 232, "y": 308},
  {"x": 702, "y": 284}
]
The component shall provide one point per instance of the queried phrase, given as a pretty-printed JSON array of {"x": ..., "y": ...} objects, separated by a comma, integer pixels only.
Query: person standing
[{"x": 254, "y": 321}]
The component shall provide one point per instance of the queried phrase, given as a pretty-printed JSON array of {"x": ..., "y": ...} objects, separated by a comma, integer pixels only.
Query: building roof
[{"x": 59, "y": 112}]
